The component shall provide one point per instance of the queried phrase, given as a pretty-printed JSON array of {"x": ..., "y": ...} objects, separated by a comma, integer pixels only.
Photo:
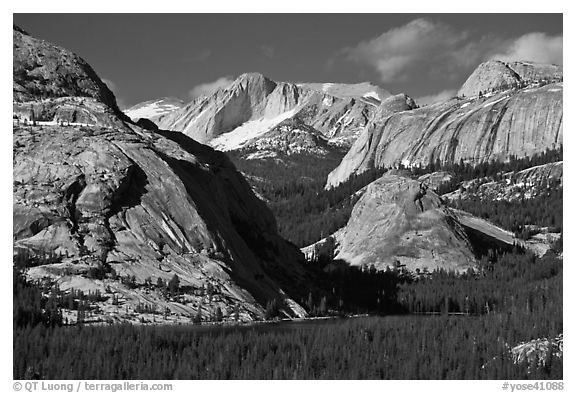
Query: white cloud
[
  {"x": 536, "y": 47},
  {"x": 208, "y": 88},
  {"x": 111, "y": 85},
  {"x": 198, "y": 57},
  {"x": 396, "y": 51},
  {"x": 444, "y": 95},
  {"x": 427, "y": 48},
  {"x": 268, "y": 51},
  {"x": 114, "y": 89}
]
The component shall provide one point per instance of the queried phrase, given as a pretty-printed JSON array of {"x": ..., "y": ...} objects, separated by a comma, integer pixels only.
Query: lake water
[
  {"x": 296, "y": 324},
  {"x": 285, "y": 325}
]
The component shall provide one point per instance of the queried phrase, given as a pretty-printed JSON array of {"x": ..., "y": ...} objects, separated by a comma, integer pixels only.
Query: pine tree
[
  {"x": 272, "y": 309},
  {"x": 174, "y": 285},
  {"x": 198, "y": 317},
  {"x": 322, "y": 309},
  {"x": 310, "y": 302},
  {"x": 236, "y": 312},
  {"x": 218, "y": 317}
]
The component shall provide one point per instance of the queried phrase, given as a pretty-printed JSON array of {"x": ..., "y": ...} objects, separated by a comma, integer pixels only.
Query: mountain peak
[
  {"x": 42, "y": 70},
  {"x": 253, "y": 78},
  {"x": 499, "y": 75},
  {"x": 256, "y": 84},
  {"x": 492, "y": 74}
]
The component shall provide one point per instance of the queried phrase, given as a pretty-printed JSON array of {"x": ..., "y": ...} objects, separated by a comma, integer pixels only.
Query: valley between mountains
[{"x": 245, "y": 204}]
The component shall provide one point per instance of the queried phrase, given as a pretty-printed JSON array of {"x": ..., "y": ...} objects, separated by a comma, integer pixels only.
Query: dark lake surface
[
  {"x": 263, "y": 327},
  {"x": 296, "y": 324}
]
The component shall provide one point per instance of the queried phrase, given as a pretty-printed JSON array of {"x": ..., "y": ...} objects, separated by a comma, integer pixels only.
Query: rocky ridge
[
  {"x": 253, "y": 105},
  {"x": 520, "y": 122},
  {"x": 513, "y": 186},
  {"x": 42, "y": 70},
  {"x": 291, "y": 136},
  {"x": 120, "y": 207},
  {"x": 388, "y": 229}
]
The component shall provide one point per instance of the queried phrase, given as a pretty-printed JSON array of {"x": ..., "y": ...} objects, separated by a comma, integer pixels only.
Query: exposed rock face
[
  {"x": 66, "y": 110},
  {"x": 538, "y": 175},
  {"x": 517, "y": 122},
  {"x": 498, "y": 75},
  {"x": 535, "y": 72},
  {"x": 387, "y": 227},
  {"x": 435, "y": 179},
  {"x": 245, "y": 99},
  {"x": 340, "y": 120},
  {"x": 42, "y": 70},
  {"x": 537, "y": 353},
  {"x": 344, "y": 121},
  {"x": 493, "y": 234},
  {"x": 145, "y": 204},
  {"x": 394, "y": 104},
  {"x": 490, "y": 75},
  {"x": 253, "y": 105}
]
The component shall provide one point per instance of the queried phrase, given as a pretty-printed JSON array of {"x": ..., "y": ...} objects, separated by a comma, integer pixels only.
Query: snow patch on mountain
[
  {"x": 261, "y": 155},
  {"x": 154, "y": 108},
  {"x": 350, "y": 90},
  {"x": 248, "y": 131},
  {"x": 372, "y": 94},
  {"x": 326, "y": 86}
]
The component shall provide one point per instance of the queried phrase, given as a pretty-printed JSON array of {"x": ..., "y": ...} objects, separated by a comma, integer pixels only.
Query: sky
[{"x": 427, "y": 56}]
